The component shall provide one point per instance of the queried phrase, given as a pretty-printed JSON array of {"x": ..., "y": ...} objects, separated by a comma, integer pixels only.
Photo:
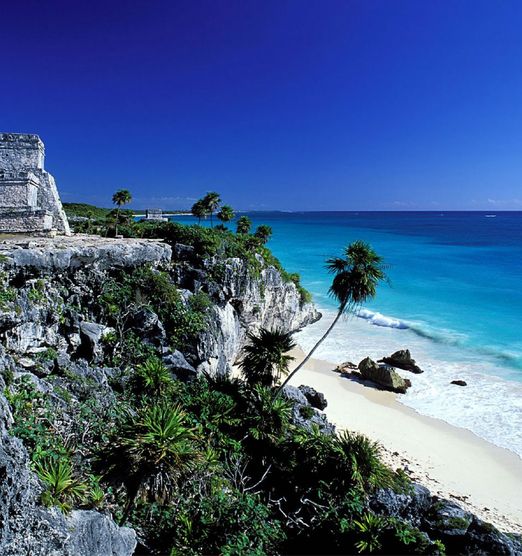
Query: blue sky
[{"x": 303, "y": 105}]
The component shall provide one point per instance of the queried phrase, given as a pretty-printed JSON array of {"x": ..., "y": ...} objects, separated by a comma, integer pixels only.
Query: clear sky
[{"x": 277, "y": 104}]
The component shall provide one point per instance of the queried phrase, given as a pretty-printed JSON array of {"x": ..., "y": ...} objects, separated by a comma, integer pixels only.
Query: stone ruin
[{"x": 29, "y": 200}]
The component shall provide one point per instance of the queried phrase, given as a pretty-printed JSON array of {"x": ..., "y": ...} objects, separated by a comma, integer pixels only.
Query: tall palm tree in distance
[
  {"x": 199, "y": 210},
  {"x": 211, "y": 201},
  {"x": 263, "y": 233},
  {"x": 120, "y": 198},
  {"x": 226, "y": 214},
  {"x": 356, "y": 276},
  {"x": 243, "y": 225}
]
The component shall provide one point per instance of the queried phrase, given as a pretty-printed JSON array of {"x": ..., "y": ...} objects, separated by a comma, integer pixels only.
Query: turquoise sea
[{"x": 454, "y": 299}]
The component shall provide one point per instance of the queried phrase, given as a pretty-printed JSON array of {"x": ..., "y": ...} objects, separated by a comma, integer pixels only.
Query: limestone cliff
[{"x": 51, "y": 331}]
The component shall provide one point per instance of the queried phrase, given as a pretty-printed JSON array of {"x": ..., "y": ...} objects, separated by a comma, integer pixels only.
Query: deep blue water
[{"x": 454, "y": 277}]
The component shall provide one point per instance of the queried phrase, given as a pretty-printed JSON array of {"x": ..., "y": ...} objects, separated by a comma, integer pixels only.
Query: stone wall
[{"x": 26, "y": 186}]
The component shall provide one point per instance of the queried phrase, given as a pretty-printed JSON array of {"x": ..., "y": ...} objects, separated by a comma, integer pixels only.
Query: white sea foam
[{"x": 490, "y": 405}]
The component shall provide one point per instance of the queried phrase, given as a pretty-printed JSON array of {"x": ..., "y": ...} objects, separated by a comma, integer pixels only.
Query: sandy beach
[{"x": 452, "y": 462}]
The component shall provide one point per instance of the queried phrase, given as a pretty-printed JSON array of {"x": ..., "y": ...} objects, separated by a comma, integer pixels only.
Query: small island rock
[
  {"x": 402, "y": 359},
  {"x": 459, "y": 382},
  {"x": 383, "y": 375}
]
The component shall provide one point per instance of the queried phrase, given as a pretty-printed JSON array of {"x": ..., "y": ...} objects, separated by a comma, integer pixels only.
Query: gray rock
[
  {"x": 147, "y": 325},
  {"x": 315, "y": 399},
  {"x": 384, "y": 376},
  {"x": 179, "y": 366},
  {"x": 28, "y": 528},
  {"x": 91, "y": 334},
  {"x": 459, "y": 382},
  {"x": 402, "y": 359},
  {"x": 294, "y": 394}
]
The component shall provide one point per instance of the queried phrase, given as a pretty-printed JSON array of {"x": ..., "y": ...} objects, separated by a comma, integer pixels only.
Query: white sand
[{"x": 451, "y": 462}]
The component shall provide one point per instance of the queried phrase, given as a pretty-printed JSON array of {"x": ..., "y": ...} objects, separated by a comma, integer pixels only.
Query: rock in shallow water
[
  {"x": 459, "y": 382},
  {"x": 402, "y": 359},
  {"x": 384, "y": 376}
]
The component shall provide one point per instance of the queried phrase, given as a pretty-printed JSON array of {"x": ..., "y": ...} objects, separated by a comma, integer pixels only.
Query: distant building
[
  {"x": 155, "y": 214},
  {"x": 29, "y": 200}
]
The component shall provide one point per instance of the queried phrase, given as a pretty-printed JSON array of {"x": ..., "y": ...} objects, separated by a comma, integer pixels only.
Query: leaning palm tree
[
  {"x": 120, "y": 198},
  {"x": 211, "y": 202},
  {"x": 356, "y": 276},
  {"x": 243, "y": 225},
  {"x": 265, "y": 358},
  {"x": 226, "y": 214},
  {"x": 150, "y": 453}
]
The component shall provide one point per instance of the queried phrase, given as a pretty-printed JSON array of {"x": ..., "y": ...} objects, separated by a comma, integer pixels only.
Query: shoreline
[{"x": 452, "y": 462}]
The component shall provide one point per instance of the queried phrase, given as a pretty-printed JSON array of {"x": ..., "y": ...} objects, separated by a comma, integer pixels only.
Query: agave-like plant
[
  {"x": 369, "y": 529},
  {"x": 153, "y": 376},
  {"x": 63, "y": 489},
  {"x": 151, "y": 452},
  {"x": 367, "y": 469},
  {"x": 265, "y": 357}
]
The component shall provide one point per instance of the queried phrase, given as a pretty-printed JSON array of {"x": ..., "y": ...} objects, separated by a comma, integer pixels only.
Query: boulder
[
  {"x": 91, "y": 335},
  {"x": 346, "y": 368},
  {"x": 459, "y": 382},
  {"x": 315, "y": 399},
  {"x": 294, "y": 394},
  {"x": 384, "y": 376},
  {"x": 148, "y": 326},
  {"x": 178, "y": 365},
  {"x": 402, "y": 359}
]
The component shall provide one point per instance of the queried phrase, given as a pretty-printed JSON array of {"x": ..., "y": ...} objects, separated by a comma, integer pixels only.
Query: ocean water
[{"x": 454, "y": 299}]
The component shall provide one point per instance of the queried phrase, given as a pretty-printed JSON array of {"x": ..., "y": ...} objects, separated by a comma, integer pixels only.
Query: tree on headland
[
  {"x": 243, "y": 225},
  {"x": 120, "y": 198},
  {"x": 199, "y": 210},
  {"x": 265, "y": 357},
  {"x": 356, "y": 276},
  {"x": 211, "y": 202},
  {"x": 263, "y": 233},
  {"x": 226, "y": 214}
]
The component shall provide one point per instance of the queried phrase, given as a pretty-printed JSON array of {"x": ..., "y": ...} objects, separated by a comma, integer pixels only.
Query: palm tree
[
  {"x": 356, "y": 276},
  {"x": 263, "y": 233},
  {"x": 211, "y": 202},
  {"x": 120, "y": 198},
  {"x": 226, "y": 214},
  {"x": 150, "y": 453},
  {"x": 265, "y": 357},
  {"x": 199, "y": 210},
  {"x": 243, "y": 225}
]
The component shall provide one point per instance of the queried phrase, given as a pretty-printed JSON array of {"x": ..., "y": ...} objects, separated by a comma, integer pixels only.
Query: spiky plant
[
  {"x": 153, "y": 376},
  {"x": 150, "y": 453},
  {"x": 62, "y": 488},
  {"x": 356, "y": 276},
  {"x": 265, "y": 358},
  {"x": 367, "y": 469}
]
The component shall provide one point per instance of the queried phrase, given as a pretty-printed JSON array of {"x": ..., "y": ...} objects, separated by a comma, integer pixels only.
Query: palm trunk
[
  {"x": 117, "y": 220},
  {"x": 304, "y": 361}
]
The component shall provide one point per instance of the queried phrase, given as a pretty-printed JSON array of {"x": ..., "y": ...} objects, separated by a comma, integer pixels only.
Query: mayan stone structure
[{"x": 29, "y": 200}]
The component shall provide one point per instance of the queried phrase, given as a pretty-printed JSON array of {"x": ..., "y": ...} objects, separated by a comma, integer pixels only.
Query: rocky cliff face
[
  {"x": 248, "y": 303},
  {"x": 49, "y": 320}
]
